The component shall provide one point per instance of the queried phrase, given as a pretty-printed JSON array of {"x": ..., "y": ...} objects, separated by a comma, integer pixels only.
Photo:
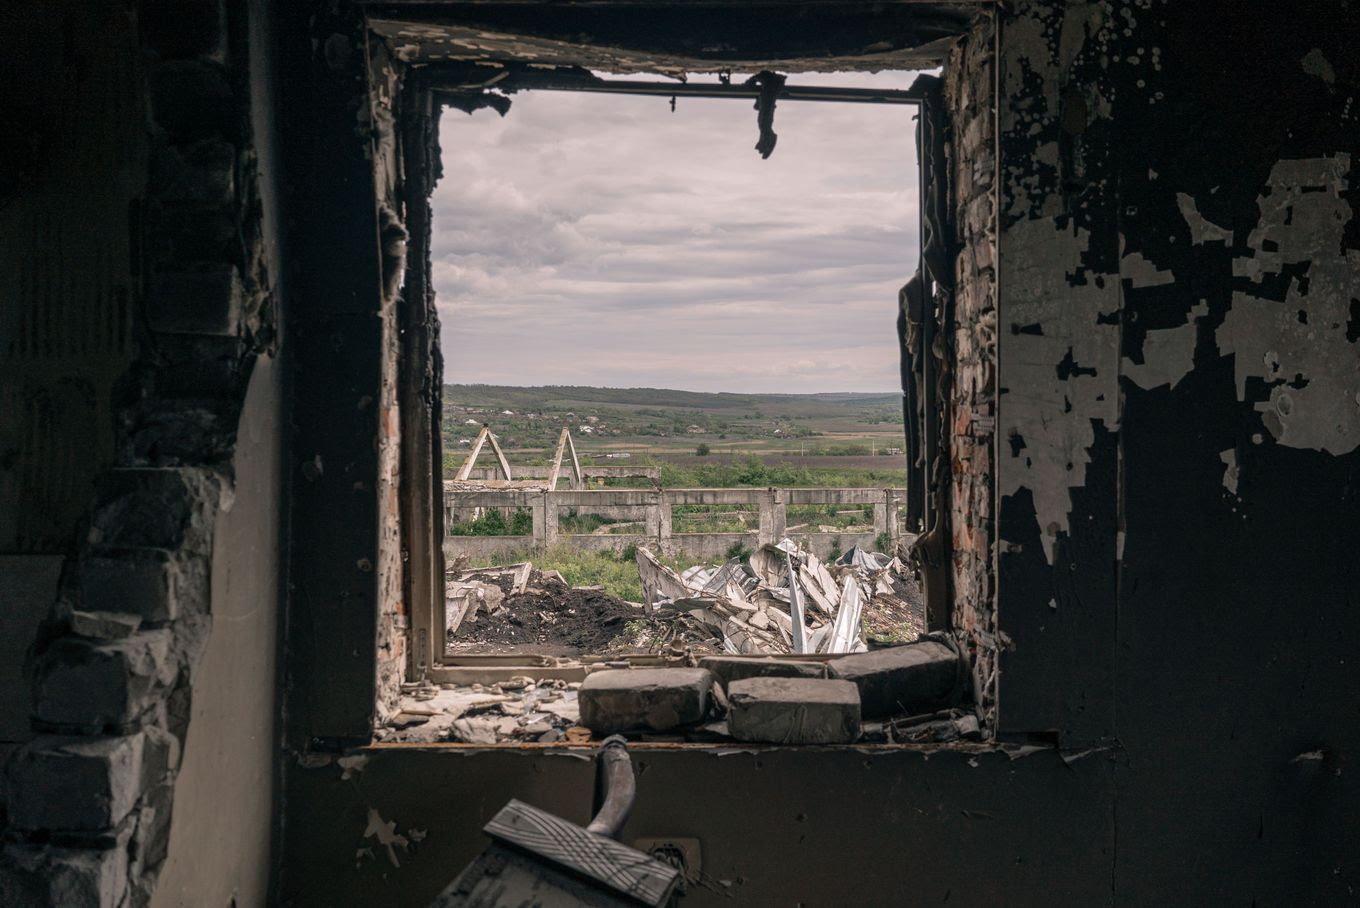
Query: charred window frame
[
  {"x": 925, "y": 333},
  {"x": 925, "y": 322},
  {"x": 420, "y": 376}
]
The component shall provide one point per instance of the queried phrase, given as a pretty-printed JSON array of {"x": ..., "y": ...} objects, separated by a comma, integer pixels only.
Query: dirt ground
[
  {"x": 888, "y": 622},
  {"x": 549, "y": 616}
]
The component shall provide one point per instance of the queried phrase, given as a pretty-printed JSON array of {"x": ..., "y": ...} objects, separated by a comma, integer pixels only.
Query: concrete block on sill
[
  {"x": 736, "y": 668},
  {"x": 651, "y": 699},
  {"x": 794, "y": 710},
  {"x": 901, "y": 680}
]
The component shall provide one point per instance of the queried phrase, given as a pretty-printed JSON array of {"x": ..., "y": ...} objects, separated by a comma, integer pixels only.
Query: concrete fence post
[
  {"x": 664, "y": 523},
  {"x": 881, "y": 512},
  {"x": 540, "y": 530},
  {"x": 892, "y": 501},
  {"x": 651, "y": 520},
  {"x": 765, "y": 524},
  {"x": 549, "y": 518},
  {"x": 773, "y": 516}
]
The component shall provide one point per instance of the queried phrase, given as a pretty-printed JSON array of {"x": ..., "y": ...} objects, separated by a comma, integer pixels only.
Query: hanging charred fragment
[
  {"x": 770, "y": 84},
  {"x": 472, "y": 100}
]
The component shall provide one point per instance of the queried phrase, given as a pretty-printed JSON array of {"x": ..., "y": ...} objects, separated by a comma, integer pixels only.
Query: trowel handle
[{"x": 615, "y": 788}]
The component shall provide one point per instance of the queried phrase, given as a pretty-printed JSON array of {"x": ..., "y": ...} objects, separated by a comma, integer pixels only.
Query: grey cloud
[{"x": 592, "y": 239}]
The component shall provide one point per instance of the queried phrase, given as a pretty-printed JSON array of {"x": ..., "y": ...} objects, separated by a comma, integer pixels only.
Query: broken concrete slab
[
  {"x": 901, "y": 680},
  {"x": 736, "y": 668},
  {"x": 793, "y": 710},
  {"x": 653, "y": 699}
]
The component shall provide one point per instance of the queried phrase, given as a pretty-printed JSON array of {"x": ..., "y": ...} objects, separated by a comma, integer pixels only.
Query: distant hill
[
  {"x": 507, "y": 395},
  {"x": 657, "y": 420}
]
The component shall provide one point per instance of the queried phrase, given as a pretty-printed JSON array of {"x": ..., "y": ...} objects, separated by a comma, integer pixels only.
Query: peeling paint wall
[
  {"x": 1172, "y": 294},
  {"x": 1178, "y": 465},
  {"x": 1059, "y": 351},
  {"x": 346, "y": 645},
  {"x": 968, "y": 824}
]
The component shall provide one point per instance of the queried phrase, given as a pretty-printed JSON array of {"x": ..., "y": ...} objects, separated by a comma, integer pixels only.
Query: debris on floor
[
  {"x": 907, "y": 694},
  {"x": 520, "y": 709}
]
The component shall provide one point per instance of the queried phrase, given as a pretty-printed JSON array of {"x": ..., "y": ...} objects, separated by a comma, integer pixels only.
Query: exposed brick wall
[
  {"x": 90, "y": 798},
  {"x": 970, "y": 98}
]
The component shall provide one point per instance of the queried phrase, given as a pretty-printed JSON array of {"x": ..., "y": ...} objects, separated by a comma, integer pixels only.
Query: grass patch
[
  {"x": 839, "y": 516},
  {"x": 576, "y": 524},
  {"x": 494, "y": 523},
  {"x": 616, "y": 572},
  {"x": 714, "y": 518}
]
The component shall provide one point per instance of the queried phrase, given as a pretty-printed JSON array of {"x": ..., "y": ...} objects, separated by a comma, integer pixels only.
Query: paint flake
[
  {"x": 1057, "y": 417},
  {"x": 1202, "y": 230},
  {"x": 385, "y": 831},
  {"x": 1310, "y": 364}
]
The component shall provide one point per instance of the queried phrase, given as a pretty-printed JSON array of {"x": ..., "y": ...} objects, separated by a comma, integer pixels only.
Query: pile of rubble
[
  {"x": 780, "y": 647},
  {"x": 783, "y": 599}
]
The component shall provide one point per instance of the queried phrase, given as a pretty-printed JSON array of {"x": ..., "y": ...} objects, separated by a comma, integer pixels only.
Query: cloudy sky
[{"x": 604, "y": 240}]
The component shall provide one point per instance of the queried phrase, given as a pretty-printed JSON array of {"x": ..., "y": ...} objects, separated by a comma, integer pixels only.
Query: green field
[{"x": 699, "y": 440}]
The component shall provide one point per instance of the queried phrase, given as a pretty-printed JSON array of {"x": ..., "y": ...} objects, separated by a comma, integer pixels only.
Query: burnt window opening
[{"x": 478, "y": 507}]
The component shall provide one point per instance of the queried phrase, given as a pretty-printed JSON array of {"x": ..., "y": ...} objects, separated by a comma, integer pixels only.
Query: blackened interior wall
[
  {"x": 1180, "y": 429},
  {"x": 72, "y": 160},
  {"x": 1174, "y": 607}
]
